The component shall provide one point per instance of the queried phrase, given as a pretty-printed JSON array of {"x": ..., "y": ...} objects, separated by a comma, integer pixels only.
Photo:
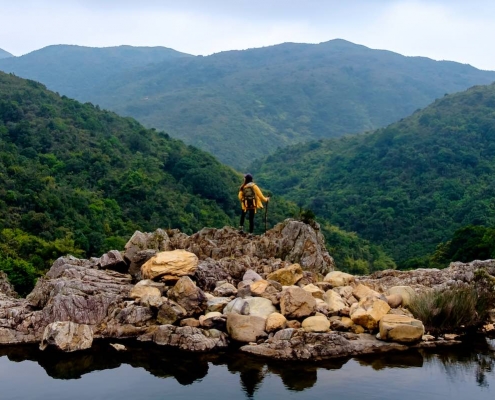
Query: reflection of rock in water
[
  {"x": 251, "y": 371},
  {"x": 185, "y": 368},
  {"x": 407, "y": 359}
]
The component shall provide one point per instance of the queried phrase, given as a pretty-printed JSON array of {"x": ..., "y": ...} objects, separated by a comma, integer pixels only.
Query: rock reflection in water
[{"x": 186, "y": 369}]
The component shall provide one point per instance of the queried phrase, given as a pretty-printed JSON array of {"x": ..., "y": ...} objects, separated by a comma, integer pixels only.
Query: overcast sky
[{"x": 458, "y": 30}]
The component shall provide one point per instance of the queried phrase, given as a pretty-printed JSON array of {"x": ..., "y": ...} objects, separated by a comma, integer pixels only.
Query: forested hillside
[
  {"x": 241, "y": 105},
  {"x": 4, "y": 54},
  {"x": 408, "y": 186},
  {"x": 78, "y": 71}
]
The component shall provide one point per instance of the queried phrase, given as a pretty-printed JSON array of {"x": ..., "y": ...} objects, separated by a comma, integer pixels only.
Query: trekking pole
[{"x": 266, "y": 214}]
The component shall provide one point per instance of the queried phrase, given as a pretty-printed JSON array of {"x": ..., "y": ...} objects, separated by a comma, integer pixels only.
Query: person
[{"x": 251, "y": 199}]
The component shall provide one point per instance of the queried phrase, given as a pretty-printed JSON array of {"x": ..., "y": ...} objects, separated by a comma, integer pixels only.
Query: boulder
[
  {"x": 237, "y": 306},
  {"x": 275, "y": 321},
  {"x": 217, "y": 304},
  {"x": 368, "y": 312},
  {"x": 405, "y": 292},
  {"x": 297, "y": 303},
  {"x": 214, "y": 320},
  {"x": 316, "y": 324},
  {"x": 315, "y": 291},
  {"x": 258, "y": 287},
  {"x": 170, "y": 265},
  {"x": 190, "y": 339},
  {"x": 361, "y": 291},
  {"x": 193, "y": 322},
  {"x": 139, "y": 291},
  {"x": 287, "y": 276},
  {"x": 338, "y": 278},
  {"x": 170, "y": 312},
  {"x": 402, "y": 329},
  {"x": 334, "y": 301},
  {"x": 225, "y": 290},
  {"x": 260, "y": 307},
  {"x": 251, "y": 276},
  {"x": 189, "y": 296},
  {"x": 113, "y": 260},
  {"x": 67, "y": 336},
  {"x": 245, "y": 328},
  {"x": 394, "y": 300}
]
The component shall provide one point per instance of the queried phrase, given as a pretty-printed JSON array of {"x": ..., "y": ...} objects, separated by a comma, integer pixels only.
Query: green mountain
[
  {"x": 5, "y": 54},
  {"x": 408, "y": 186},
  {"x": 78, "y": 71},
  {"x": 241, "y": 105}
]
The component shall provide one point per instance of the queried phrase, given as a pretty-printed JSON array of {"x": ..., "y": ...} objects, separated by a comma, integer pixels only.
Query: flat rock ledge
[{"x": 291, "y": 344}]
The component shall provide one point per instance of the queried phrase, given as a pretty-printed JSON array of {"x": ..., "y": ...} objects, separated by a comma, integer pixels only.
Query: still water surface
[{"x": 150, "y": 372}]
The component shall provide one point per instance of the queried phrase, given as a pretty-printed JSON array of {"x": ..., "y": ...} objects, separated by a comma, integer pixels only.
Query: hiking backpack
[{"x": 249, "y": 198}]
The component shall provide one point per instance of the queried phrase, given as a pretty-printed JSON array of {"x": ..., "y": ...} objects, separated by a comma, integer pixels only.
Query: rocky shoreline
[{"x": 275, "y": 295}]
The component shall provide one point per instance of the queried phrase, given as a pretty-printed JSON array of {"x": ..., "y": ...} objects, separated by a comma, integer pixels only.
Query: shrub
[{"x": 451, "y": 309}]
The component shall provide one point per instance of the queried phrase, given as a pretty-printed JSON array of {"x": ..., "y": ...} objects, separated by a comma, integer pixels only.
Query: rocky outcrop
[
  {"x": 401, "y": 329},
  {"x": 189, "y": 338},
  {"x": 170, "y": 265}
]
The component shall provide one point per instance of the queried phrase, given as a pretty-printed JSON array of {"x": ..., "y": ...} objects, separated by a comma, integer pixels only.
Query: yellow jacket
[{"x": 259, "y": 196}]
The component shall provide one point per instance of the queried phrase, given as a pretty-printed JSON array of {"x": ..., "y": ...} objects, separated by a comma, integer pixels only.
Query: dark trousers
[{"x": 251, "y": 219}]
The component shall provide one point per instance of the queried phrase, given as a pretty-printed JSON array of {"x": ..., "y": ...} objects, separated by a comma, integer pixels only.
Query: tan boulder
[
  {"x": 225, "y": 290},
  {"x": 360, "y": 292},
  {"x": 258, "y": 287},
  {"x": 315, "y": 291},
  {"x": 402, "y": 329},
  {"x": 297, "y": 303},
  {"x": 275, "y": 321},
  {"x": 293, "y": 324},
  {"x": 334, "y": 301},
  {"x": 192, "y": 322},
  {"x": 245, "y": 328},
  {"x": 316, "y": 324},
  {"x": 139, "y": 291},
  {"x": 394, "y": 300},
  {"x": 170, "y": 265},
  {"x": 260, "y": 306},
  {"x": 217, "y": 304},
  {"x": 406, "y": 292},
  {"x": 339, "y": 278},
  {"x": 67, "y": 336},
  {"x": 287, "y": 276},
  {"x": 368, "y": 312}
]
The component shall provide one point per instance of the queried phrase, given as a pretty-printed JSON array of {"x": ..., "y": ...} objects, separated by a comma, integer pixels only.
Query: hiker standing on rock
[{"x": 251, "y": 199}]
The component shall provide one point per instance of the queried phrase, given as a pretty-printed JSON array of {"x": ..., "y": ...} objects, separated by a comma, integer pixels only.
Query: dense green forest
[
  {"x": 407, "y": 187},
  {"x": 76, "y": 179},
  {"x": 241, "y": 105}
]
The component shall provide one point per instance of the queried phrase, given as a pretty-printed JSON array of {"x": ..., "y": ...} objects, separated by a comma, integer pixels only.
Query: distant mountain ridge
[
  {"x": 408, "y": 186},
  {"x": 5, "y": 54},
  {"x": 242, "y": 105},
  {"x": 76, "y": 71}
]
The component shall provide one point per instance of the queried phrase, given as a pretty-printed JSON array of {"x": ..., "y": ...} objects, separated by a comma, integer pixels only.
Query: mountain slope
[
  {"x": 77, "y": 71},
  {"x": 408, "y": 186},
  {"x": 240, "y": 105},
  {"x": 5, "y": 54}
]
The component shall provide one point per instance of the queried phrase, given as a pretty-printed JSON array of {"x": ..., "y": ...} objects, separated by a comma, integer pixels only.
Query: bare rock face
[
  {"x": 170, "y": 265},
  {"x": 67, "y": 336},
  {"x": 6, "y": 288},
  {"x": 291, "y": 344},
  {"x": 189, "y": 296},
  {"x": 401, "y": 329},
  {"x": 190, "y": 339},
  {"x": 297, "y": 303}
]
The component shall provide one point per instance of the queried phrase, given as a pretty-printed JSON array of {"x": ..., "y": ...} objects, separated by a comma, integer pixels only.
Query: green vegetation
[
  {"x": 407, "y": 187},
  {"x": 240, "y": 105}
]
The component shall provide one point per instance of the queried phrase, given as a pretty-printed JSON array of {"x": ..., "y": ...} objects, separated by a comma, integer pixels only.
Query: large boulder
[
  {"x": 406, "y": 293},
  {"x": 361, "y": 291},
  {"x": 400, "y": 328},
  {"x": 113, "y": 260},
  {"x": 368, "y": 312},
  {"x": 316, "y": 324},
  {"x": 190, "y": 339},
  {"x": 297, "y": 303},
  {"x": 275, "y": 321},
  {"x": 170, "y": 265},
  {"x": 189, "y": 296},
  {"x": 169, "y": 312},
  {"x": 338, "y": 278},
  {"x": 245, "y": 328},
  {"x": 260, "y": 306},
  {"x": 67, "y": 336},
  {"x": 139, "y": 291},
  {"x": 334, "y": 301},
  {"x": 287, "y": 276}
]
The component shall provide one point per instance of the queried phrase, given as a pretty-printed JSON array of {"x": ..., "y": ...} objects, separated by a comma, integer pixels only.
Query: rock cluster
[{"x": 277, "y": 295}]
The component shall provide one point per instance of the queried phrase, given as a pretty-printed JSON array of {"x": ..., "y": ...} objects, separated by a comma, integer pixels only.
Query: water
[{"x": 151, "y": 372}]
